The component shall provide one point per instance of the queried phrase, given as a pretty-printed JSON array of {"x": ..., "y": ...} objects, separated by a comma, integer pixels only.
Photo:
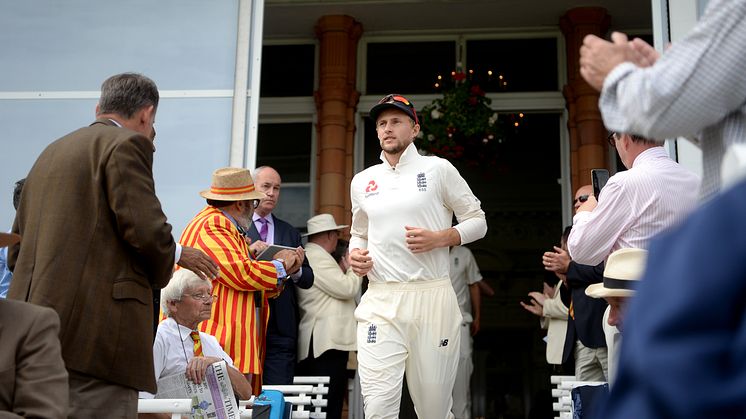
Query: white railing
[
  {"x": 174, "y": 406},
  {"x": 306, "y": 394}
]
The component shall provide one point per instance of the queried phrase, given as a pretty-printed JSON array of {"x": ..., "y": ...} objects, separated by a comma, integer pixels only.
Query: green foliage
[{"x": 461, "y": 124}]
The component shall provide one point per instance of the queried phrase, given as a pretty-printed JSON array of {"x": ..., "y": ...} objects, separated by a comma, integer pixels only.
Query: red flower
[
  {"x": 476, "y": 90},
  {"x": 459, "y": 76}
]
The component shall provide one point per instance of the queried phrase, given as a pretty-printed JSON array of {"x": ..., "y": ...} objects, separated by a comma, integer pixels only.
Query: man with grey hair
[
  {"x": 97, "y": 245},
  {"x": 282, "y": 330},
  {"x": 179, "y": 347},
  {"x": 654, "y": 194}
]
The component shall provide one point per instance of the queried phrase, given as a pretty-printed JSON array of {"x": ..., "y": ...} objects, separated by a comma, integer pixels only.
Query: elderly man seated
[{"x": 178, "y": 346}]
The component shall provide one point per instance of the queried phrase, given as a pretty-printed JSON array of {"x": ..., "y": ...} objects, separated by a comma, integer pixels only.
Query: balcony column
[
  {"x": 336, "y": 104},
  {"x": 588, "y": 148}
]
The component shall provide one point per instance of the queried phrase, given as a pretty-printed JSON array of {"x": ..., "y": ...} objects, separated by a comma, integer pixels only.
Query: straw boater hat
[
  {"x": 232, "y": 184},
  {"x": 623, "y": 270},
  {"x": 6, "y": 239},
  {"x": 321, "y": 223}
]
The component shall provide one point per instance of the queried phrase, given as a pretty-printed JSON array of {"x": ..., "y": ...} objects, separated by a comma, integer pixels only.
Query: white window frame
[
  {"x": 672, "y": 21},
  {"x": 295, "y": 109}
]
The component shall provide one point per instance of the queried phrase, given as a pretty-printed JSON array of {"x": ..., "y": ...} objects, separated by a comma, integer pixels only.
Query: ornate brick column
[
  {"x": 336, "y": 103},
  {"x": 587, "y": 133}
]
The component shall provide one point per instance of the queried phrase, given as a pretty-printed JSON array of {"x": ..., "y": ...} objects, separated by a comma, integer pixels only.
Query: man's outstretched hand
[{"x": 198, "y": 262}]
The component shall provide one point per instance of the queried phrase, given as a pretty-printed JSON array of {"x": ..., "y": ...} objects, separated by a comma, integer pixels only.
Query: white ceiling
[{"x": 296, "y": 18}]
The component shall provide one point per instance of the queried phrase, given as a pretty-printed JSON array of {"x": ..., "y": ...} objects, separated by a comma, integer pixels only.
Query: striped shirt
[
  {"x": 697, "y": 89},
  {"x": 233, "y": 321},
  {"x": 635, "y": 205}
]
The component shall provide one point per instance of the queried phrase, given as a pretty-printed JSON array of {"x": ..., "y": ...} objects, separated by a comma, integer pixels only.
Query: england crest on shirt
[{"x": 421, "y": 182}]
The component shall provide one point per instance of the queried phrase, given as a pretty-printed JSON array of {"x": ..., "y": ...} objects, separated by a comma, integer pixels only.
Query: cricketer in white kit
[{"x": 409, "y": 319}]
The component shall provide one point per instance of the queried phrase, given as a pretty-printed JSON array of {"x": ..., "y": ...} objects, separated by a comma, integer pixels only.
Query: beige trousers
[
  {"x": 412, "y": 327},
  {"x": 591, "y": 364}
]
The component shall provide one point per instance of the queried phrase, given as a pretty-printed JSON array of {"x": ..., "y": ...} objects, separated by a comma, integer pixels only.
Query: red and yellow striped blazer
[{"x": 233, "y": 321}]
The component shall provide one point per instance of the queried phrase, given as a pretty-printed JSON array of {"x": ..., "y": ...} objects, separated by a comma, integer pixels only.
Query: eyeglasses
[
  {"x": 402, "y": 100},
  {"x": 612, "y": 139},
  {"x": 203, "y": 297},
  {"x": 581, "y": 198}
]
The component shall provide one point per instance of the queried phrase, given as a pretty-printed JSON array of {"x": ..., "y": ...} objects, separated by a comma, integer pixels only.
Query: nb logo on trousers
[{"x": 443, "y": 342}]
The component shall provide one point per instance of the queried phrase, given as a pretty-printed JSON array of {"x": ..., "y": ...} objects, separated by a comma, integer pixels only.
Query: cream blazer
[
  {"x": 555, "y": 321},
  {"x": 327, "y": 308}
]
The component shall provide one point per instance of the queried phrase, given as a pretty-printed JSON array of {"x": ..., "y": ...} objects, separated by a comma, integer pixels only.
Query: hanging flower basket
[{"x": 461, "y": 125}]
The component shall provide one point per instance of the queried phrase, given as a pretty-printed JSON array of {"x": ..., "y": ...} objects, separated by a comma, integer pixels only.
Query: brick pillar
[
  {"x": 336, "y": 103},
  {"x": 588, "y": 148}
]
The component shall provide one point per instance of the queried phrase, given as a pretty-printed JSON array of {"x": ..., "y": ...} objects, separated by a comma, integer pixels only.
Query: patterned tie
[
  {"x": 571, "y": 310},
  {"x": 264, "y": 230},
  {"x": 197, "y": 343}
]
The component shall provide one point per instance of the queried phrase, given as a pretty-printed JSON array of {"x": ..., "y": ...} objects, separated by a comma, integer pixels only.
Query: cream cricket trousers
[
  {"x": 462, "y": 387},
  {"x": 412, "y": 327}
]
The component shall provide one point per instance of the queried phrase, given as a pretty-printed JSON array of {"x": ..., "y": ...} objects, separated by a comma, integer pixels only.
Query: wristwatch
[{"x": 287, "y": 275}]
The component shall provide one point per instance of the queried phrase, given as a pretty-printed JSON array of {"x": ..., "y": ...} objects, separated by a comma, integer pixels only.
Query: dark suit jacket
[
  {"x": 33, "y": 379},
  {"x": 283, "y": 310},
  {"x": 95, "y": 241},
  {"x": 589, "y": 312},
  {"x": 683, "y": 352}
]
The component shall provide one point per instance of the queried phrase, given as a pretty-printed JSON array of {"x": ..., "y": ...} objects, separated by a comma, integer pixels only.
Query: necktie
[
  {"x": 197, "y": 343},
  {"x": 264, "y": 230},
  {"x": 571, "y": 311}
]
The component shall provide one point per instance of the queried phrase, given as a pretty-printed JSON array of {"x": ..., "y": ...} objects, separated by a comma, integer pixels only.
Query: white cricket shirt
[{"x": 420, "y": 191}]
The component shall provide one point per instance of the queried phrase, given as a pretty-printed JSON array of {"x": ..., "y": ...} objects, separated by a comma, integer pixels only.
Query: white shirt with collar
[
  {"x": 464, "y": 272},
  {"x": 420, "y": 191},
  {"x": 655, "y": 194},
  {"x": 174, "y": 348}
]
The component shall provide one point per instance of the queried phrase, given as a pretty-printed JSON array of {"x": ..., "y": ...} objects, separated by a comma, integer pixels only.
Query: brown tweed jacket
[
  {"x": 94, "y": 243},
  {"x": 33, "y": 380}
]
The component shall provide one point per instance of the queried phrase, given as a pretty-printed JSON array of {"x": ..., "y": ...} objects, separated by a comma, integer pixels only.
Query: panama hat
[
  {"x": 232, "y": 184},
  {"x": 623, "y": 270},
  {"x": 321, "y": 223},
  {"x": 6, "y": 239}
]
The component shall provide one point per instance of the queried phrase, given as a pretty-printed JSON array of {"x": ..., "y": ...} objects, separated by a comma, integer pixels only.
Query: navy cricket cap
[{"x": 394, "y": 101}]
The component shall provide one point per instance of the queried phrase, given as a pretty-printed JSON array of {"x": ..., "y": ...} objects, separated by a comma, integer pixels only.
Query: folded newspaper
[{"x": 213, "y": 399}]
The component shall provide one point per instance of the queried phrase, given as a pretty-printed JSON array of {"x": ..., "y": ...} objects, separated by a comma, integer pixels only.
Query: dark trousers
[
  {"x": 279, "y": 363},
  {"x": 331, "y": 363}
]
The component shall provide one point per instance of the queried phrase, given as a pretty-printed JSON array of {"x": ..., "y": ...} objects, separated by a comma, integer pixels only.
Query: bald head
[
  {"x": 582, "y": 195},
  {"x": 267, "y": 180}
]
